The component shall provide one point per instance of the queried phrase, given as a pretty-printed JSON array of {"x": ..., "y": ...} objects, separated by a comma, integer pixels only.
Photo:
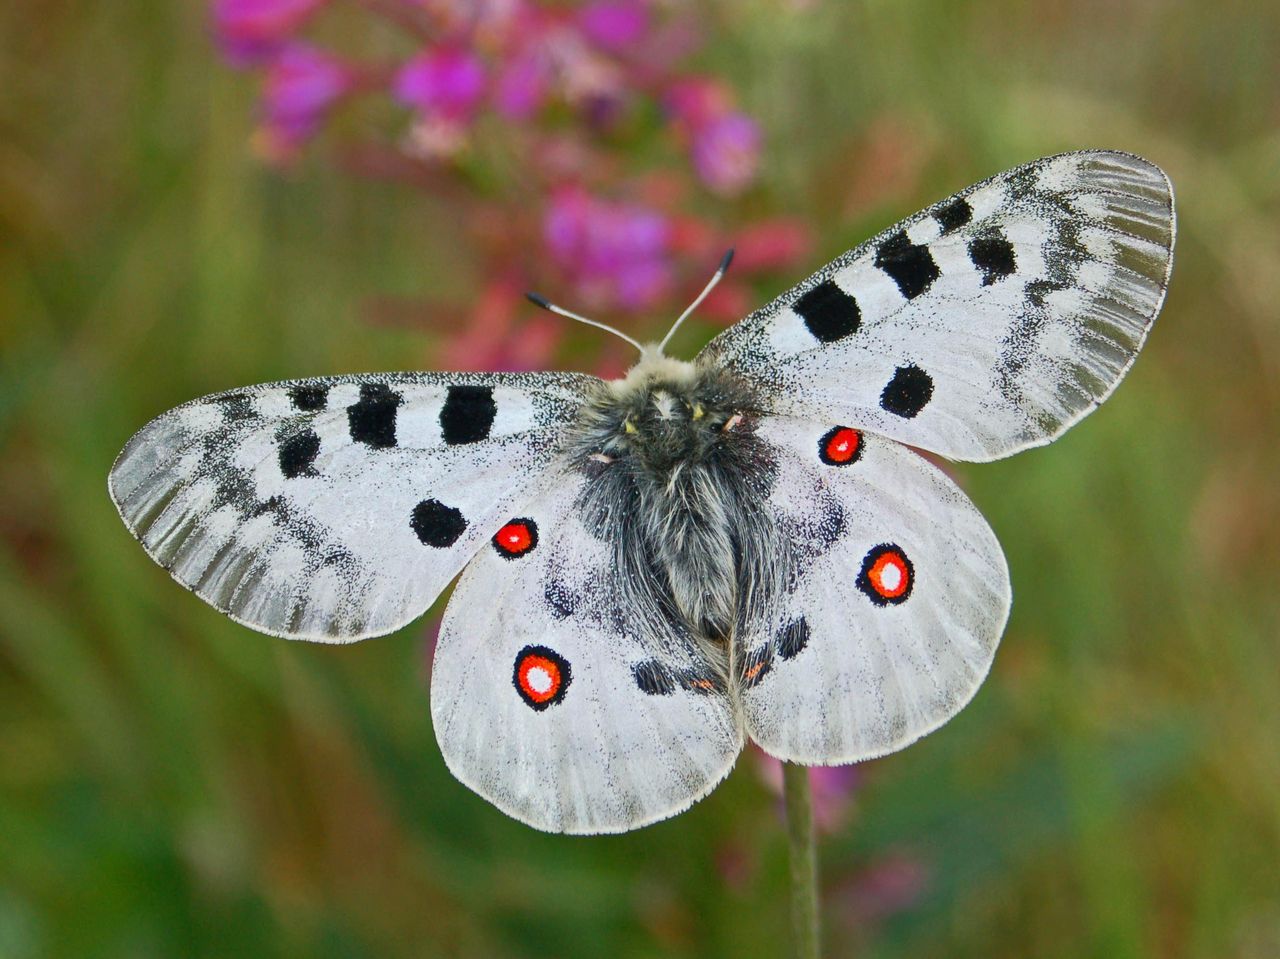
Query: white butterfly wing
[
  {"x": 335, "y": 509},
  {"x": 561, "y": 707},
  {"x": 898, "y": 599},
  {"x": 990, "y": 322}
]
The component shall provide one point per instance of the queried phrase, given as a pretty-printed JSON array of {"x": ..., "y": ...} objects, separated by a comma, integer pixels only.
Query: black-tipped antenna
[
  {"x": 721, "y": 270},
  {"x": 539, "y": 300}
]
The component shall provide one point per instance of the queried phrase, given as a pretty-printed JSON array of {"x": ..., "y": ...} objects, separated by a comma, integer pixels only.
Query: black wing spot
[
  {"x": 298, "y": 452},
  {"x": 1039, "y": 290},
  {"x": 792, "y": 638},
  {"x": 309, "y": 399},
  {"x": 236, "y": 407},
  {"x": 654, "y": 678},
  {"x": 908, "y": 392},
  {"x": 436, "y": 524},
  {"x": 756, "y": 665},
  {"x": 909, "y": 264},
  {"x": 696, "y": 681},
  {"x": 993, "y": 254},
  {"x": 467, "y": 415},
  {"x": 830, "y": 522},
  {"x": 561, "y": 601},
  {"x": 829, "y": 312},
  {"x": 954, "y": 215},
  {"x": 373, "y": 419}
]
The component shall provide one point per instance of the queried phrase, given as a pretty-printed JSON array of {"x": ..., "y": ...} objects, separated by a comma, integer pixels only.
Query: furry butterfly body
[{"x": 657, "y": 568}]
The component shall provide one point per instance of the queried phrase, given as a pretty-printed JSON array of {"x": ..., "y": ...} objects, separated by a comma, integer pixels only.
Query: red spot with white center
[
  {"x": 887, "y": 575},
  {"x": 840, "y": 446},
  {"x": 517, "y": 538},
  {"x": 541, "y": 676}
]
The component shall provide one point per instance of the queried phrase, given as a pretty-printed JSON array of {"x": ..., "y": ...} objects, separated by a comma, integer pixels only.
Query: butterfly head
[{"x": 666, "y": 412}]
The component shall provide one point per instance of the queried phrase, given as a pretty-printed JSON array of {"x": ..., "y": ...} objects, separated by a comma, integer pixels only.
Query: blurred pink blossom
[
  {"x": 832, "y": 789},
  {"x": 726, "y": 152},
  {"x": 447, "y": 82},
  {"x": 252, "y": 31},
  {"x": 523, "y": 85},
  {"x": 574, "y": 76},
  {"x": 503, "y": 333},
  {"x": 301, "y": 86},
  {"x": 694, "y": 102},
  {"x": 724, "y": 143},
  {"x": 885, "y": 887},
  {"x": 772, "y": 245},
  {"x": 610, "y": 251},
  {"x": 615, "y": 25}
]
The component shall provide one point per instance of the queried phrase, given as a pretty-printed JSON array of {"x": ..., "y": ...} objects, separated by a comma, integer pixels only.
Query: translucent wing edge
[{"x": 610, "y": 830}]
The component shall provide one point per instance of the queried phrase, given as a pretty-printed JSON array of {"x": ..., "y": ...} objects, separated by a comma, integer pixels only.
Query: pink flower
[
  {"x": 771, "y": 245},
  {"x": 522, "y": 86},
  {"x": 253, "y": 31},
  {"x": 831, "y": 788},
  {"x": 613, "y": 252},
  {"x": 726, "y": 152},
  {"x": 301, "y": 86},
  {"x": 448, "y": 83},
  {"x": 885, "y": 887},
  {"x": 695, "y": 102},
  {"x": 614, "y": 25}
]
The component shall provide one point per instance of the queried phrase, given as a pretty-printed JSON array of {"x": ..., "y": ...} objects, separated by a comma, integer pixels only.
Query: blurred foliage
[{"x": 172, "y": 784}]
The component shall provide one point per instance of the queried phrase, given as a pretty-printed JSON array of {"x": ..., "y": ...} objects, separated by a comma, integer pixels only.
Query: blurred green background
[{"x": 172, "y": 784}]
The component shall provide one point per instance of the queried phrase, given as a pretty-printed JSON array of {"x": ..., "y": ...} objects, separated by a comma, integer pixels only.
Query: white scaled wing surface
[
  {"x": 896, "y": 604},
  {"x": 986, "y": 324},
  {"x": 338, "y": 508},
  {"x": 563, "y": 709}
]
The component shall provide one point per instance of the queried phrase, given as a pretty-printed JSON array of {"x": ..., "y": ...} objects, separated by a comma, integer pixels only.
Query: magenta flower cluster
[{"x": 611, "y": 135}]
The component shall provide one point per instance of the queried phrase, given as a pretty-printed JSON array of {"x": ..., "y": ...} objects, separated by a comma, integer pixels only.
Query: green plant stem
[{"x": 804, "y": 862}]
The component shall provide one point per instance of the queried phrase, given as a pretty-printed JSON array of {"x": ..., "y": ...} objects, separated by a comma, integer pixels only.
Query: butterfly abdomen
[{"x": 679, "y": 483}]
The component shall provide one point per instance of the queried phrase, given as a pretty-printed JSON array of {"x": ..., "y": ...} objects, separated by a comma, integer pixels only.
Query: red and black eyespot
[
  {"x": 887, "y": 575},
  {"x": 541, "y": 677},
  {"x": 517, "y": 538},
  {"x": 840, "y": 446}
]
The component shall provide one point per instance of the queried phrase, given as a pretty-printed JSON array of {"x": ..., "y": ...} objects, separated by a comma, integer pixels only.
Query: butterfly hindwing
[
  {"x": 556, "y": 702},
  {"x": 898, "y": 596},
  {"x": 990, "y": 322},
  {"x": 338, "y": 508}
]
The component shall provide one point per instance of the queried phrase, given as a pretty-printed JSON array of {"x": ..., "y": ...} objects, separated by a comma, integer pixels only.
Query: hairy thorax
[{"x": 678, "y": 484}]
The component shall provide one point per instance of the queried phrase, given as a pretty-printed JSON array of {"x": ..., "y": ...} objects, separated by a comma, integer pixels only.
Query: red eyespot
[
  {"x": 887, "y": 575},
  {"x": 541, "y": 676},
  {"x": 518, "y": 537},
  {"x": 840, "y": 446}
]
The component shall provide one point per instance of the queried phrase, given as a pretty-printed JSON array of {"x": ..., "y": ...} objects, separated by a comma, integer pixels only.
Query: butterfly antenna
[
  {"x": 546, "y": 304},
  {"x": 719, "y": 275}
]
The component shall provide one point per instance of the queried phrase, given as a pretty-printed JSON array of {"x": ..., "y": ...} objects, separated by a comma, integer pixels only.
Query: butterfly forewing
[
  {"x": 988, "y": 323},
  {"x": 338, "y": 508},
  {"x": 565, "y": 709},
  {"x": 897, "y": 601}
]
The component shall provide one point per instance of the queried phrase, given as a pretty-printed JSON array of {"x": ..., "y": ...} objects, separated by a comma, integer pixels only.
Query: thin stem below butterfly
[{"x": 803, "y": 857}]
